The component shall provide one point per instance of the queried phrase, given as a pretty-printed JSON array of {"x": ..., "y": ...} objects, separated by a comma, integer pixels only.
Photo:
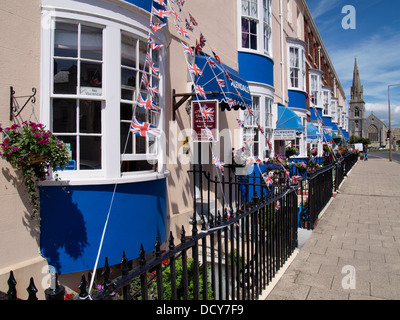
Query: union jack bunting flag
[
  {"x": 221, "y": 83},
  {"x": 177, "y": 17},
  {"x": 194, "y": 69},
  {"x": 199, "y": 48},
  {"x": 267, "y": 179},
  {"x": 212, "y": 64},
  {"x": 200, "y": 91},
  {"x": 228, "y": 213},
  {"x": 144, "y": 129},
  {"x": 202, "y": 40},
  {"x": 152, "y": 65},
  {"x": 157, "y": 26},
  {"x": 147, "y": 104},
  {"x": 187, "y": 48},
  {"x": 258, "y": 160},
  {"x": 218, "y": 164},
  {"x": 231, "y": 103},
  {"x": 152, "y": 90},
  {"x": 296, "y": 179},
  {"x": 278, "y": 158},
  {"x": 181, "y": 32},
  {"x": 154, "y": 45},
  {"x": 250, "y": 111},
  {"x": 277, "y": 205},
  {"x": 260, "y": 128},
  {"x": 216, "y": 57},
  {"x": 192, "y": 20},
  {"x": 161, "y": 13},
  {"x": 188, "y": 25},
  {"x": 209, "y": 135},
  {"x": 6, "y": 138},
  {"x": 240, "y": 123},
  {"x": 207, "y": 112},
  {"x": 269, "y": 143},
  {"x": 160, "y": 2}
]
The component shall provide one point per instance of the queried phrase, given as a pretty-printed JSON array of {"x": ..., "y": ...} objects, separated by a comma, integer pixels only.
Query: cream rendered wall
[
  {"x": 20, "y": 68},
  {"x": 217, "y": 22}
]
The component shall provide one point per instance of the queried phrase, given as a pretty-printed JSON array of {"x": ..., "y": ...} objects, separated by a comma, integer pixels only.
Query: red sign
[{"x": 204, "y": 115}]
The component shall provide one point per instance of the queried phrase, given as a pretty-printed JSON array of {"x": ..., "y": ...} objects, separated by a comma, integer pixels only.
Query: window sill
[{"x": 131, "y": 178}]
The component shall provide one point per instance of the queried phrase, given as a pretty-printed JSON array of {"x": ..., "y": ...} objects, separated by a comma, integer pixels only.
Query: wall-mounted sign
[
  {"x": 285, "y": 134},
  {"x": 205, "y": 115}
]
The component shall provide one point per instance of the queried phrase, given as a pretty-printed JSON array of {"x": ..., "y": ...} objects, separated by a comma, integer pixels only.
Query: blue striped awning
[
  {"x": 233, "y": 87},
  {"x": 288, "y": 119}
]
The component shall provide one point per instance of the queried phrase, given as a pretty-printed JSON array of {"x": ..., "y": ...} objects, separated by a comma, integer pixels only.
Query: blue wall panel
[
  {"x": 297, "y": 99},
  {"x": 73, "y": 218},
  {"x": 257, "y": 68}
]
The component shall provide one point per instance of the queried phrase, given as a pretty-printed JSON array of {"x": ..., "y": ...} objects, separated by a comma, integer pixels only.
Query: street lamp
[{"x": 390, "y": 124}]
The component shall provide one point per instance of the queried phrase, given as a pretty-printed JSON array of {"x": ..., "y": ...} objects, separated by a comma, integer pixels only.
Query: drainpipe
[
  {"x": 319, "y": 57},
  {"x": 282, "y": 53}
]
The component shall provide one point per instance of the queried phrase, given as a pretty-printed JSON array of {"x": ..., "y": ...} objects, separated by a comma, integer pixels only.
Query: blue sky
[{"x": 375, "y": 42}]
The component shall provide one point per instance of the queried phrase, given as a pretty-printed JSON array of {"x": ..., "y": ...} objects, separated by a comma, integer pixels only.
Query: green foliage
[
  {"x": 33, "y": 151},
  {"x": 354, "y": 139},
  {"x": 166, "y": 278}
]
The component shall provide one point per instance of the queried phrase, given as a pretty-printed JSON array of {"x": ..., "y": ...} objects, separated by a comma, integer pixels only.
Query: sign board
[
  {"x": 285, "y": 134},
  {"x": 204, "y": 115}
]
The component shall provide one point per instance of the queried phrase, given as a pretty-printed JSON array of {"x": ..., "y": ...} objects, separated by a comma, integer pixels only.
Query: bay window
[
  {"x": 297, "y": 67},
  {"x": 256, "y": 25},
  {"x": 95, "y": 66}
]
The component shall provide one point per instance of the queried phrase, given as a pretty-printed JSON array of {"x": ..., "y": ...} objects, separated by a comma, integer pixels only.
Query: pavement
[{"x": 354, "y": 251}]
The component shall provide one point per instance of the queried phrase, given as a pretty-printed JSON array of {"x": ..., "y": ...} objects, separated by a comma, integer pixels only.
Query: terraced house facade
[{"x": 94, "y": 65}]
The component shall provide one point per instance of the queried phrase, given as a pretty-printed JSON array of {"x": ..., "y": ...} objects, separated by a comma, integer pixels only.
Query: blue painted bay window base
[{"x": 73, "y": 218}]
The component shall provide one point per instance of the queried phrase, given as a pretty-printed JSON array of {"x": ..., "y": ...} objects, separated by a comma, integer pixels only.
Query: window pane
[
  {"x": 70, "y": 141},
  {"x": 130, "y": 166},
  {"x": 128, "y": 51},
  {"x": 142, "y": 55},
  {"x": 90, "y": 116},
  {"x": 128, "y": 77},
  {"x": 126, "y": 146},
  {"x": 91, "y": 74},
  {"x": 126, "y": 111},
  {"x": 90, "y": 153},
  {"x": 64, "y": 115},
  {"x": 245, "y": 33},
  {"x": 65, "y": 76},
  {"x": 66, "y": 40},
  {"x": 140, "y": 144},
  {"x": 91, "y": 43}
]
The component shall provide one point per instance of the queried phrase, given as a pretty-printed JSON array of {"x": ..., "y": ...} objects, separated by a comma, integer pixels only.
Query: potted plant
[
  {"x": 290, "y": 151},
  {"x": 33, "y": 151}
]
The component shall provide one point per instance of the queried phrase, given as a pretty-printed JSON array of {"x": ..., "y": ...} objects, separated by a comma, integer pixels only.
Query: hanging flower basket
[
  {"x": 35, "y": 159},
  {"x": 32, "y": 150}
]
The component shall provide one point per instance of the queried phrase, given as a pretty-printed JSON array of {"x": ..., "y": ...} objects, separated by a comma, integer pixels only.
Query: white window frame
[
  {"x": 326, "y": 102},
  {"x": 298, "y": 49},
  {"x": 263, "y": 19},
  {"x": 97, "y": 15},
  {"x": 263, "y": 116}
]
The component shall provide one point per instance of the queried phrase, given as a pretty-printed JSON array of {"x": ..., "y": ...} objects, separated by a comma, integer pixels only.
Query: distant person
[{"x": 365, "y": 151}]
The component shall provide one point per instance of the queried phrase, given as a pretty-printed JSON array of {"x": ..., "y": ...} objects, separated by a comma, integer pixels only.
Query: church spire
[{"x": 356, "y": 89}]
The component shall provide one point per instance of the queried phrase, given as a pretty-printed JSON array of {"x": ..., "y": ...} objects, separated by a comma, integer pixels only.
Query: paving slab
[{"x": 354, "y": 251}]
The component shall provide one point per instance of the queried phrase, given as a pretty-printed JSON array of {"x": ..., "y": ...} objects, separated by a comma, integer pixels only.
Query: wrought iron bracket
[
  {"x": 184, "y": 97},
  {"x": 13, "y": 109}
]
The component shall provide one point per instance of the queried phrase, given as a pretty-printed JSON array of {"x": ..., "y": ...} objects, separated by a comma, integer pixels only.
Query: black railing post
[
  {"x": 32, "y": 290},
  {"x": 171, "y": 246},
  {"x": 12, "y": 290}
]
